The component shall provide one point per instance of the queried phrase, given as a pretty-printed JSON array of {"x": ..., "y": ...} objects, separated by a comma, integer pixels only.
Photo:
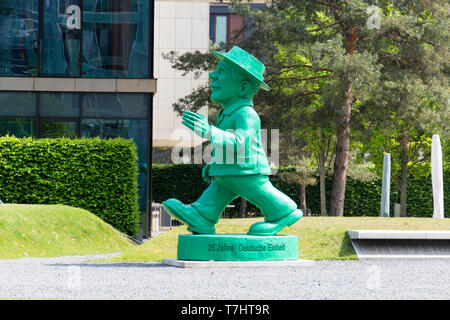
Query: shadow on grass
[{"x": 346, "y": 250}]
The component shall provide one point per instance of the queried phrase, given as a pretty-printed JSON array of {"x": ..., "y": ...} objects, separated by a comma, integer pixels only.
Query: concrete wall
[{"x": 182, "y": 26}]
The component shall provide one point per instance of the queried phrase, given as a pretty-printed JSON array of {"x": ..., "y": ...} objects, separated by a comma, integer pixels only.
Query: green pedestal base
[{"x": 237, "y": 247}]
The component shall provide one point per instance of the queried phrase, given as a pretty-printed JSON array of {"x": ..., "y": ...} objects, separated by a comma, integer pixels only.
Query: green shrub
[
  {"x": 185, "y": 183},
  {"x": 93, "y": 174}
]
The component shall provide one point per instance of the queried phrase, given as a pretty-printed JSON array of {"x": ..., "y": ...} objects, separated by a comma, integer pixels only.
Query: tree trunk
[
  {"x": 243, "y": 209},
  {"x": 343, "y": 137},
  {"x": 341, "y": 160},
  {"x": 323, "y": 199},
  {"x": 404, "y": 178},
  {"x": 303, "y": 198}
]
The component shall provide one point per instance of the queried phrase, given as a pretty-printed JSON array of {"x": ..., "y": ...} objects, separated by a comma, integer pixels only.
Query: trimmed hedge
[
  {"x": 94, "y": 174},
  {"x": 185, "y": 183}
]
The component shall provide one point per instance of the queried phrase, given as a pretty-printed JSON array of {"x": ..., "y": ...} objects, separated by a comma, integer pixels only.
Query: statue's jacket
[{"x": 236, "y": 143}]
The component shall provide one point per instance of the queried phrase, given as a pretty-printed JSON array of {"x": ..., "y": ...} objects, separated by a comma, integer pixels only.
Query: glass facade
[
  {"x": 19, "y": 39},
  {"x": 75, "y": 38}
]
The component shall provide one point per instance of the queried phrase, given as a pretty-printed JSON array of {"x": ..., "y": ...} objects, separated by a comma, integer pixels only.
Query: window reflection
[
  {"x": 61, "y": 38},
  {"x": 59, "y": 104},
  {"x": 18, "y": 37},
  {"x": 110, "y": 36},
  {"x": 17, "y": 104},
  {"x": 115, "y": 38},
  {"x": 20, "y": 128},
  {"x": 127, "y": 105},
  {"x": 56, "y": 129}
]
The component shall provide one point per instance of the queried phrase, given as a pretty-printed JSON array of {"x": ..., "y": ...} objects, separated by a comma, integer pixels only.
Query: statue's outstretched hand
[{"x": 197, "y": 123}]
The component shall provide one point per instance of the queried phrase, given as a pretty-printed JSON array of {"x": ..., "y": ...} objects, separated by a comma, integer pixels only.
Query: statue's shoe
[
  {"x": 190, "y": 216},
  {"x": 273, "y": 227}
]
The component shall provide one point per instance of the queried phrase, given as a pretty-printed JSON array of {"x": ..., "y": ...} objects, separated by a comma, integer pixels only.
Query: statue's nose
[{"x": 212, "y": 75}]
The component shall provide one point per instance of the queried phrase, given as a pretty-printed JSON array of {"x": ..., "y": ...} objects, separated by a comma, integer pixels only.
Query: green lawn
[
  {"x": 319, "y": 237},
  {"x": 55, "y": 230}
]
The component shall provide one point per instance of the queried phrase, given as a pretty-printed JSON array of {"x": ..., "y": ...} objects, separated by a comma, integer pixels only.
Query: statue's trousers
[{"x": 256, "y": 189}]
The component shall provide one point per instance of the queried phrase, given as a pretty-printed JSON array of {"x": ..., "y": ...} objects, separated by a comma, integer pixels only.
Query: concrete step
[{"x": 401, "y": 243}]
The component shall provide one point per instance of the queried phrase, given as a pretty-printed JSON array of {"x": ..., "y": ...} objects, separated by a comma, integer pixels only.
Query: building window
[
  {"x": 75, "y": 38},
  {"x": 55, "y": 129},
  {"x": 59, "y": 104},
  {"x": 225, "y": 27},
  {"x": 115, "y": 38},
  {"x": 60, "y": 45},
  {"x": 19, "y": 38},
  {"x": 218, "y": 29},
  {"x": 120, "y": 105},
  {"x": 20, "y": 104},
  {"x": 19, "y": 127}
]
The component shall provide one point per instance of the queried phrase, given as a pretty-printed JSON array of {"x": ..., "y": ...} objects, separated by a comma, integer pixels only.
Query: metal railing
[{"x": 161, "y": 220}]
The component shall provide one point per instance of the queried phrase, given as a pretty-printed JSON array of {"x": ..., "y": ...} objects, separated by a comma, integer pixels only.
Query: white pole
[
  {"x": 386, "y": 186},
  {"x": 437, "y": 177}
]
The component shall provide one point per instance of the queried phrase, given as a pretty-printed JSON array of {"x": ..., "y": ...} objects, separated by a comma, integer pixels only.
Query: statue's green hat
[{"x": 245, "y": 62}]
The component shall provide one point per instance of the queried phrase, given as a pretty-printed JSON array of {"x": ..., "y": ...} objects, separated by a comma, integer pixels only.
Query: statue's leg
[
  {"x": 279, "y": 210},
  {"x": 213, "y": 201},
  {"x": 258, "y": 190},
  {"x": 203, "y": 214}
]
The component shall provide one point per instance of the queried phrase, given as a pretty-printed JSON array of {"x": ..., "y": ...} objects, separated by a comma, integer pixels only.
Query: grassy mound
[
  {"x": 55, "y": 230},
  {"x": 320, "y": 238}
]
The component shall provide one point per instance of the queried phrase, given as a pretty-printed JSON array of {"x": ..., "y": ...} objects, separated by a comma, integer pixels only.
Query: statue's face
[{"x": 224, "y": 86}]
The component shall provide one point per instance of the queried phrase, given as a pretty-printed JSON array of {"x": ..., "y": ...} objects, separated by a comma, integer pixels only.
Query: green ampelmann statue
[{"x": 239, "y": 166}]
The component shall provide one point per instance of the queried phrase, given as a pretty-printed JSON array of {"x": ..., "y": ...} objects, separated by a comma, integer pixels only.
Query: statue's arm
[{"x": 247, "y": 126}]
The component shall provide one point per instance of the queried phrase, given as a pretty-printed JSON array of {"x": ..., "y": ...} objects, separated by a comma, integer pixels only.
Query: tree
[
  {"x": 412, "y": 102},
  {"x": 302, "y": 174}
]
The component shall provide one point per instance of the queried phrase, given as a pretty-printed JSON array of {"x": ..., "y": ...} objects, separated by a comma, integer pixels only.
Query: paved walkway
[{"x": 71, "y": 278}]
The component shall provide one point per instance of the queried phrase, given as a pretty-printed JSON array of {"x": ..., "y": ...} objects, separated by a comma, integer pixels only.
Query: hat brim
[{"x": 220, "y": 56}]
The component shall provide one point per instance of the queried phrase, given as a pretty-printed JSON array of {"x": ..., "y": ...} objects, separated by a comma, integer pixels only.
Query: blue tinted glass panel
[
  {"x": 122, "y": 105},
  {"x": 19, "y": 128},
  {"x": 61, "y": 38},
  {"x": 221, "y": 29},
  {"x": 59, "y": 104},
  {"x": 115, "y": 38},
  {"x": 211, "y": 27},
  {"x": 17, "y": 104},
  {"x": 18, "y": 37},
  {"x": 129, "y": 129}
]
